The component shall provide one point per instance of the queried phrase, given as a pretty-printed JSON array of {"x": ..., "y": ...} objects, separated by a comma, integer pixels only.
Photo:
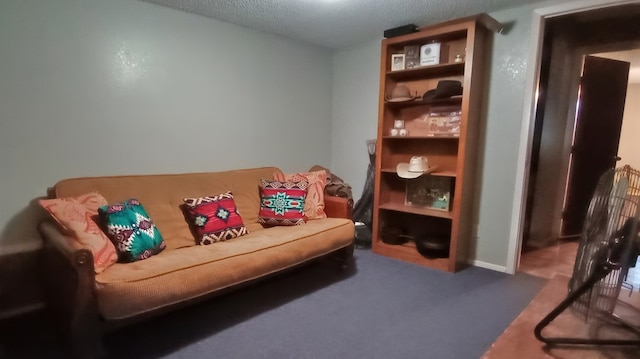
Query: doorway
[{"x": 567, "y": 39}]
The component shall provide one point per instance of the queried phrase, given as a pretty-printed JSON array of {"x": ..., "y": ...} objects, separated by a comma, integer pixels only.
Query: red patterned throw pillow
[
  {"x": 314, "y": 202},
  {"x": 282, "y": 203},
  {"x": 215, "y": 218}
]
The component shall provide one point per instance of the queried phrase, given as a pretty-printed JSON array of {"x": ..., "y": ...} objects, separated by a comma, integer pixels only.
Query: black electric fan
[{"x": 608, "y": 248}]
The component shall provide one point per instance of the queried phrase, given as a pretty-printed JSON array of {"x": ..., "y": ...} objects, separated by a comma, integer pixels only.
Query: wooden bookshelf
[{"x": 452, "y": 156}]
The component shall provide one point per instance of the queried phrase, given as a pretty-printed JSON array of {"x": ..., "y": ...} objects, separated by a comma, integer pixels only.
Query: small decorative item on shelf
[
  {"x": 398, "y": 128},
  {"x": 430, "y": 54},
  {"x": 458, "y": 58},
  {"x": 432, "y": 192},
  {"x": 411, "y": 56},
  {"x": 397, "y": 62},
  {"x": 403, "y": 132}
]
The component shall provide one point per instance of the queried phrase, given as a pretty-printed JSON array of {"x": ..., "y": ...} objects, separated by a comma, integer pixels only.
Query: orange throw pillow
[
  {"x": 76, "y": 216},
  {"x": 314, "y": 203}
]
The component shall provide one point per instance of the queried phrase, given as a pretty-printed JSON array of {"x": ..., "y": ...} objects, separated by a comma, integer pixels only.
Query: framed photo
[
  {"x": 411, "y": 56},
  {"x": 432, "y": 192},
  {"x": 397, "y": 62},
  {"x": 430, "y": 54}
]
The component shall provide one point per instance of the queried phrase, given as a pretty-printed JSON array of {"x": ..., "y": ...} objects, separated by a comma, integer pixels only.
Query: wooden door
[{"x": 603, "y": 91}]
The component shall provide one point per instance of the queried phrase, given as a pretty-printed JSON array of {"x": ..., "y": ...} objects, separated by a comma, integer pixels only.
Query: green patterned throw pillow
[{"x": 131, "y": 230}]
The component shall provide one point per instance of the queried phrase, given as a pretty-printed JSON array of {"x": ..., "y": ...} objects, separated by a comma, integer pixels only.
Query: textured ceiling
[{"x": 335, "y": 24}]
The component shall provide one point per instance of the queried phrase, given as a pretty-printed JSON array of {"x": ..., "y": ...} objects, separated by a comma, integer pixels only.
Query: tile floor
[
  {"x": 556, "y": 264},
  {"x": 548, "y": 261},
  {"x": 559, "y": 259},
  {"x": 518, "y": 340}
]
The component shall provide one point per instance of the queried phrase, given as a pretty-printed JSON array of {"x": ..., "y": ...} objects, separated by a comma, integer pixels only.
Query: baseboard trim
[
  {"x": 486, "y": 265},
  {"x": 22, "y": 310},
  {"x": 20, "y": 248}
]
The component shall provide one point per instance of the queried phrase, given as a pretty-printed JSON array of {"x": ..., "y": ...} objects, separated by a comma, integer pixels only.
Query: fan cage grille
[{"x": 609, "y": 238}]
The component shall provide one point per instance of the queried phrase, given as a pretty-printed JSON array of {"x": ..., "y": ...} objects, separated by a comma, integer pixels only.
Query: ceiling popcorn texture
[{"x": 335, "y": 24}]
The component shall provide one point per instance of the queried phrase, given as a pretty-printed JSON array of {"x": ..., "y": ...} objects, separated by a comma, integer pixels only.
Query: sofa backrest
[{"x": 161, "y": 195}]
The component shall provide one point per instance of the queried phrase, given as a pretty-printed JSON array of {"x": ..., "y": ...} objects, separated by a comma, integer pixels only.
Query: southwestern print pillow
[
  {"x": 314, "y": 202},
  {"x": 282, "y": 203},
  {"x": 131, "y": 230},
  {"x": 215, "y": 218}
]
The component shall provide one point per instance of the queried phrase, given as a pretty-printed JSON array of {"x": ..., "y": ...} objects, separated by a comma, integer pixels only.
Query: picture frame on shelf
[
  {"x": 397, "y": 62},
  {"x": 444, "y": 122},
  {"x": 430, "y": 54},
  {"x": 441, "y": 121},
  {"x": 431, "y": 192},
  {"x": 411, "y": 56}
]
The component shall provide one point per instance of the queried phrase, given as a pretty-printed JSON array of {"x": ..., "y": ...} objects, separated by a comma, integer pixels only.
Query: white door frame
[{"x": 548, "y": 10}]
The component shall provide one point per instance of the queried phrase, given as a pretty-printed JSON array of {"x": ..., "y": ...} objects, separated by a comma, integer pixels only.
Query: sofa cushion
[
  {"x": 215, "y": 218},
  {"x": 131, "y": 230},
  {"x": 314, "y": 202},
  {"x": 130, "y": 289},
  {"x": 162, "y": 196},
  {"x": 77, "y": 216},
  {"x": 282, "y": 203}
]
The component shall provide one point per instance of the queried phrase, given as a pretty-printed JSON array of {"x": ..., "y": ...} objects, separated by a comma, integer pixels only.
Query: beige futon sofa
[{"x": 88, "y": 303}]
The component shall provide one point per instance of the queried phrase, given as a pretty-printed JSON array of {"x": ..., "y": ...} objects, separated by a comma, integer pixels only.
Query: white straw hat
[{"x": 417, "y": 166}]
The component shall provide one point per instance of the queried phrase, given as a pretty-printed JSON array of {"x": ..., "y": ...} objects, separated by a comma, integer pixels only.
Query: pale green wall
[
  {"x": 78, "y": 77},
  {"x": 355, "y": 111},
  {"x": 506, "y": 82},
  {"x": 94, "y": 87}
]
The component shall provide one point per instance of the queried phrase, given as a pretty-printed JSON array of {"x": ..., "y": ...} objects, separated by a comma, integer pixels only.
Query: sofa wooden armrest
[
  {"x": 338, "y": 207},
  {"x": 69, "y": 281},
  {"x": 78, "y": 258}
]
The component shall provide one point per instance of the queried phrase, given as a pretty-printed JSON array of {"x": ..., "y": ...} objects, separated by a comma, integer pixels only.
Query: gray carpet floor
[{"x": 383, "y": 308}]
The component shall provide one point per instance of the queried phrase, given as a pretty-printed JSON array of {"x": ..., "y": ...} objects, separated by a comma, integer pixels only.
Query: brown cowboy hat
[{"x": 401, "y": 93}]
